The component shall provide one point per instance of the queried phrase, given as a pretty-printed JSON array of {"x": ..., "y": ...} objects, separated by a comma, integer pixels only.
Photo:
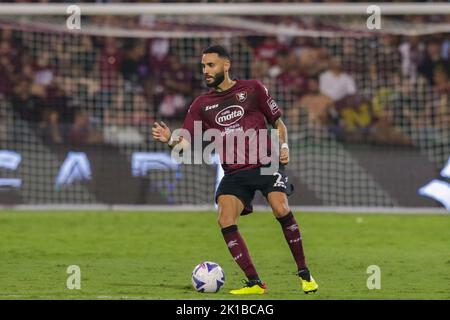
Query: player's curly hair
[{"x": 221, "y": 51}]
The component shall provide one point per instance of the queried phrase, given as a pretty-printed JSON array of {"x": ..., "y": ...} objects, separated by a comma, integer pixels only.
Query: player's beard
[{"x": 218, "y": 79}]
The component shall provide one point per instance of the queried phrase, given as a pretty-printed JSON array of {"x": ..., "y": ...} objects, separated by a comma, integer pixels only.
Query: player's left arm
[
  {"x": 272, "y": 113},
  {"x": 282, "y": 136}
]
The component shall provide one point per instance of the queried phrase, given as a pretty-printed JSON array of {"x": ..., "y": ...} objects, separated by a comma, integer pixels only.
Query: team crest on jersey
[{"x": 241, "y": 96}]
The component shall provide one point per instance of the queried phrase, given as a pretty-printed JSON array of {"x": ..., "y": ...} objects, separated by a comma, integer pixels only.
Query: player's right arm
[{"x": 161, "y": 132}]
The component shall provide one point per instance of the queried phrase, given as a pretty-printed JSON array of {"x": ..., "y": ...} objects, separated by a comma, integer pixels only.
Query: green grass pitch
[{"x": 142, "y": 255}]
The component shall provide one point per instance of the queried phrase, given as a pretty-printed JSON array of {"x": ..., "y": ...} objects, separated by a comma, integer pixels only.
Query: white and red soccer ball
[{"x": 208, "y": 277}]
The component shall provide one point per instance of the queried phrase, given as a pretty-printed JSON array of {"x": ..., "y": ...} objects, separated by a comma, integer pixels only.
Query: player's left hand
[{"x": 284, "y": 155}]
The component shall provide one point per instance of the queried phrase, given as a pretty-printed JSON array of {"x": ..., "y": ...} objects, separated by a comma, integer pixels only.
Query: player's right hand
[{"x": 161, "y": 132}]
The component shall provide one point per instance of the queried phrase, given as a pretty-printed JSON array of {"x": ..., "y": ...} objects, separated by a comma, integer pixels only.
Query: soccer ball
[{"x": 208, "y": 277}]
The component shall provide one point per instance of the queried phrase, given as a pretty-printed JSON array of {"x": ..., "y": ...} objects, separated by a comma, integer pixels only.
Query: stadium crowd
[{"x": 92, "y": 89}]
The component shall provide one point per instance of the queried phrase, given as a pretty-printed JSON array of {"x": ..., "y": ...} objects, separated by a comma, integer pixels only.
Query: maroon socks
[
  {"x": 239, "y": 251},
  {"x": 294, "y": 239}
]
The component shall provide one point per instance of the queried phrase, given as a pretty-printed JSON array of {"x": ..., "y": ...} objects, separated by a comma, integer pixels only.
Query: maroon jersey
[{"x": 245, "y": 107}]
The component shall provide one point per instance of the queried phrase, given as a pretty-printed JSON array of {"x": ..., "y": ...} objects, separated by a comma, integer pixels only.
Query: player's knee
[
  {"x": 280, "y": 210},
  {"x": 226, "y": 216},
  {"x": 226, "y": 221}
]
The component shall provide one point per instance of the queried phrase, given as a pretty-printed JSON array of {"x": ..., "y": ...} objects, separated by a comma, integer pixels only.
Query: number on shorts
[{"x": 279, "y": 182}]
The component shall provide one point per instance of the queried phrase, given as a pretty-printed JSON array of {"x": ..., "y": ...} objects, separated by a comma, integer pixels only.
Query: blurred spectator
[
  {"x": 354, "y": 116},
  {"x": 84, "y": 56},
  {"x": 82, "y": 131},
  {"x": 316, "y": 104},
  {"x": 61, "y": 102},
  {"x": 432, "y": 121},
  {"x": 3, "y": 119},
  {"x": 158, "y": 51},
  {"x": 134, "y": 67},
  {"x": 446, "y": 48},
  {"x": 140, "y": 115},
  {"x": 177, "y": 85},
  {"x": 386, "y": 56},
  {"x": 7, "y": 72},
  {"x": 297, "y": 45},
  {"x": 51, "y": 127},
  {"x": 383, "y": 131},
  {"x": 439, "y": 104},
  {"x": 349, "y": 52},
  {"x": 27, "y": 71},
  {"x": 268, "y": 50},
  {"x": 386, "y": 124},
  {"x": 176, "y": 76},
  {"x": 433, "y": 60},
  {"x": 313, "y": 59},
  {"x": 111, "y": 114},
  {"x": 412, "y": 51},
  {"x": 260, "y": 71},
  {"x": 43, "y": 72},
  {"x": 294, "y": 82},
  {"x": 172, "y": 105},
  {"x": 128, "y": 120},
  {"x": 14, "y": 46},
  {"x": 110, "y": 61},
  {"x": 287, "y": 22},
  {"x": 335, "y": 83},
  {"x": 25, "y": 103},
  {"x": 407, "y": 100}
]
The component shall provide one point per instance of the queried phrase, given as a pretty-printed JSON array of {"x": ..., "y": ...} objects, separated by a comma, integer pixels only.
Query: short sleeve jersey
[{"x": 244, "y": 109}]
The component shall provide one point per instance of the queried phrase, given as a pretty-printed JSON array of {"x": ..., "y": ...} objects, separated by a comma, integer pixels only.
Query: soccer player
[{"x": 240, "y": 105}]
